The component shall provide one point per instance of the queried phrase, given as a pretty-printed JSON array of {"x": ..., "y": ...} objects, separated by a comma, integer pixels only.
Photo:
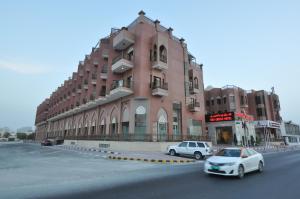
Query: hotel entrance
[{"x": 224, "y": 135}]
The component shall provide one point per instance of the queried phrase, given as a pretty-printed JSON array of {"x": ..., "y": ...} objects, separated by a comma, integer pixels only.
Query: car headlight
[{"x": 229, "y": 164}]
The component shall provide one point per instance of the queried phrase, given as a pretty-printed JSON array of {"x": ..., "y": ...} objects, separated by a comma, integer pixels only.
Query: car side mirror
[{"x": 244, "y": 156}]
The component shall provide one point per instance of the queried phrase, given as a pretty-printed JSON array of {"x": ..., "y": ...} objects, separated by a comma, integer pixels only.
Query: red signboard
[
  {"x": 220, "y": 117},
  {"x": 244, "y": 116}
]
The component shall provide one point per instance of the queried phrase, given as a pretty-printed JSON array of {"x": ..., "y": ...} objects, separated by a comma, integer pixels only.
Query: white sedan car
[{"x": 234, "y": 162}]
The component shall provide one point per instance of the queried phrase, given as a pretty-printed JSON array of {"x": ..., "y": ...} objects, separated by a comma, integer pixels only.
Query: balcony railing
[
  {"x": 163, "y": 86},
  {"x": 123, "y": 39},
  {"x": 194, "y": 106},
  {"x": 119, "y": 84},
  {"x": 122, "y": 63},
  {"x": 194, "y": 89},
  {"x": 159, "y": 89}
]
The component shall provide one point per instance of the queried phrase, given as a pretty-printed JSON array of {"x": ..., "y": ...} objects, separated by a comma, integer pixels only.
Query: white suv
[{"x": 193, "y": 148}]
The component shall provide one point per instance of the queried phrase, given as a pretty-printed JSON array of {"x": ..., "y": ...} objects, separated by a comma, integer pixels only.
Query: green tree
[
  {"x": 6, "y": 134},
  {"x": 21, "y": 136}
]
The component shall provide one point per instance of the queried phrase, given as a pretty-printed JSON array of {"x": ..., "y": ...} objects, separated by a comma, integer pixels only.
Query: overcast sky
[{"x": 251, "y": 44}]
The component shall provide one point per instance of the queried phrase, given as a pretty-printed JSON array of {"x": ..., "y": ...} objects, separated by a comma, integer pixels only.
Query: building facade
[
  {"x": 227, "y": 116},
  {"x": 265, "y": 107},
  {"x": 138, "y": 83},
  {"x": 258, "y": 114},
  {"x": 291, "y": 133}
]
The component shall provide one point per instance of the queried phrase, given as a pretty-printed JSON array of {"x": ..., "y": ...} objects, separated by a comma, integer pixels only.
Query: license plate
[{"x": 215, "y": 167}]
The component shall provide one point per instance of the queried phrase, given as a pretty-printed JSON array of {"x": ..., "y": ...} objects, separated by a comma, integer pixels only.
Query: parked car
[
  {"x": 234, "y": 162},
  {"x": 46, "y": 142},
  {"x": 191, "y": 148}
]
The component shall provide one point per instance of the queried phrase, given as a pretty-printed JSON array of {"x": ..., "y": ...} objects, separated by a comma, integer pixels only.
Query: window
[
  {"x": 245, "y": 152},
  {"x": 196, "y": 84},
  {"x": 219, "y": 101},
  {"x": 140, "y": 120},
  {"x": 251, "y": 152},
  {"x": 154, "y": 53},
  {"x": 201, "y": 145},
  {"x": 224, "y": 100},
  {"x": 242, "y": 100},
  {"x": 232, "y": 99},
  {"x": 207, "y": 103},
  {"x": 163, "y": 54},
  {"x": 192, "y": 144},
  {"x": 260, "y": 112},
  {"x": 258, "y": 100},
  {"x": 212, "y": 102},
  {"x": 229, "y": 153},
  {"x": 183, "y": 144}
]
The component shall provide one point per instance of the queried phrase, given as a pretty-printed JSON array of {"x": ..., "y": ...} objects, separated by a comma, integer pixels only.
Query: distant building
[
  {"x": 265, "y": 107},
  {"x": 227, "y": 116},
  {"x": 291, "y": 133},
  {"x": 260, "y": 111},
  {"x": 4, "y": 130}
]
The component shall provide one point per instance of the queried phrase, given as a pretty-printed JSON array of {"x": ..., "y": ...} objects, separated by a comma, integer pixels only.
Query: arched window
[
  {"x": 196, "y": 84},
  {"x": 125, "y": 122},
  {"x": 113, "y": 122},
  {"x": 154, "y": 53},
  {"x": 162, "y": 125},
  {"x": 140, "y": 121},
  {"x": 163, "y": 54},
  {"x": 113, "y": 126},
  {"x": 102, "y": 123}
]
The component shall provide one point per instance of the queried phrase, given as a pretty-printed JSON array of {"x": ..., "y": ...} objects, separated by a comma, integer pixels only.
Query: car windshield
[{"x": 229, "y": 153}]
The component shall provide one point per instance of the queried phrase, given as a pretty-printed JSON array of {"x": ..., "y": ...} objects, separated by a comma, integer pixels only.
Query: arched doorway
[
  {"x": 114, "y": 123},
  {"x": 140, "y": 124},
  {"x": 162, "y": 125},
  {"x": 125, "y": 123}
]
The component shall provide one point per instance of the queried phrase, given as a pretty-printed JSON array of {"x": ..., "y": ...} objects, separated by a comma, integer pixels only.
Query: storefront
[
  {"x": 267, "y": 131},
  {"x": 231, "y": 128}
]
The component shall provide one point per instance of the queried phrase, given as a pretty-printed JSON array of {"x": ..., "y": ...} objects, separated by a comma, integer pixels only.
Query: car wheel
[
  {"x": 198, "y": 156},
  {"x": 260, "y": 167},
  {"x": 241, "y": 172},
  {"x": 172, "y": 152}
]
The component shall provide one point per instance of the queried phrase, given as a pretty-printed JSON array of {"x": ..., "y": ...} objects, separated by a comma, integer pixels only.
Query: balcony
[
  {"x": 160, "y": 64},
  {"x": 105, "y": 53},
  {"x": 194, "y": 89},
  {"x": 159, "y": 89},
  {"x": 120, "y": 89},
  {"x": 194, "y": 107},
  {"x": 121, "y": 64},
  {"x": 123, "y": 40},
  {"x": 94, "y": 81},
  {"x": 244, "y": 105},
  {"x": 103, "y": 74},
  {"x": 85, "y": 86}
]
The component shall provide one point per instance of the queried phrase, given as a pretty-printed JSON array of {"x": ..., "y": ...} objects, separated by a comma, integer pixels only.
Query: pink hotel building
[{"x": 140, "y": 83}]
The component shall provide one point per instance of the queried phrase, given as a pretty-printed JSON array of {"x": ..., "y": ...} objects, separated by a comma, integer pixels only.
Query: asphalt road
[{"x": 280, "y": 180}]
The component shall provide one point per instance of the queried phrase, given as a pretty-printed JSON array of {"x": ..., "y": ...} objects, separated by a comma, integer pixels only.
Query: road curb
[
  {"x": 80, "y": 148},
  {"x": 161, "y": 161}
]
